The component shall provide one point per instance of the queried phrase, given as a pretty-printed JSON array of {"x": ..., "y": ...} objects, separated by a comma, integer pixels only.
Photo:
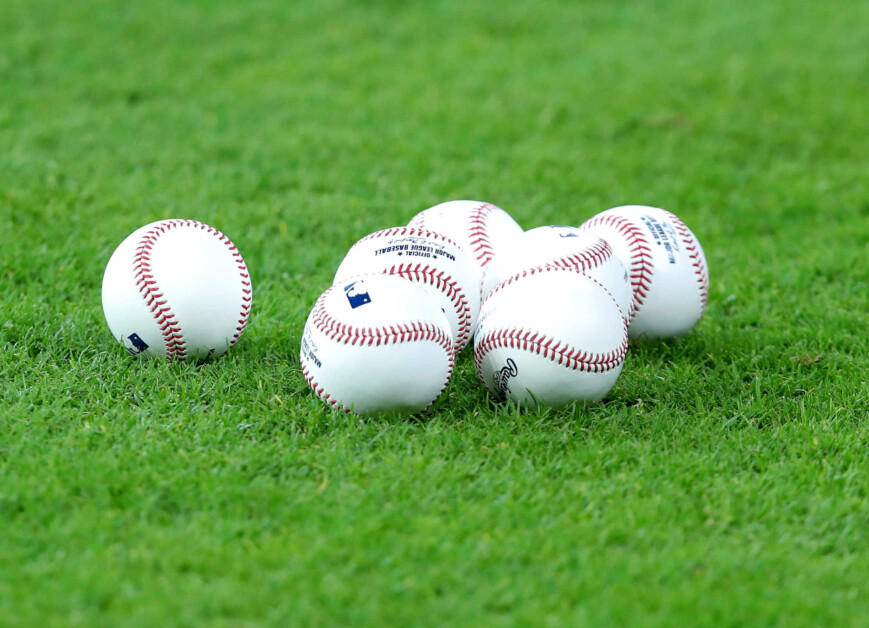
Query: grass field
[{"x": 725, "y": 479}]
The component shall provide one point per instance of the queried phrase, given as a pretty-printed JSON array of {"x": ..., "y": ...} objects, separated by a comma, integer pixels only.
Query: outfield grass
[{"x": 723, "y": 481}]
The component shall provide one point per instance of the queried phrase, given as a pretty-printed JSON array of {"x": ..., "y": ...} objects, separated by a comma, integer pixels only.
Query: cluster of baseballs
[{"x": 550, "y": 310}]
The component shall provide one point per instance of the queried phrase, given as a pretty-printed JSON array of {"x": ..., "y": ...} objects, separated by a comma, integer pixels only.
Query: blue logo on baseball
[
  {"x": 356, "y": 298},
  {"x": 139, "y": 345}
]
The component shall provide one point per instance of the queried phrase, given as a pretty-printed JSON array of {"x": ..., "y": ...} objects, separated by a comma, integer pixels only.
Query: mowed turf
[{"x": 724, "y": 479}]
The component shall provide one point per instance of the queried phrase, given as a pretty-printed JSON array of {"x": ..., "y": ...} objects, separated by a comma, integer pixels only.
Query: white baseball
[
  {"x": 177, "y": 289},
  {"x": 552, "y": 336},
  {"x": 377, "y": 345},
  {"x": 666, "y": 265},
  {"x": 482, "y": 229},
  {"x": 427, "y": 258},
  {"x": 567, "y": 247}
]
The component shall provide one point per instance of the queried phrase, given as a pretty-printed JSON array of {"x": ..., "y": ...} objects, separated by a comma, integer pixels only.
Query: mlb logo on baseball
[
  {"x": 138, "y": 344},
  {"x": 356, "y": 298}
]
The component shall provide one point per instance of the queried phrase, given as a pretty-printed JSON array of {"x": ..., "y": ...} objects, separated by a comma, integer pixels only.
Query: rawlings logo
[
  {"x": 503, "y": 376},
  {"x": 356, "y": 299}
]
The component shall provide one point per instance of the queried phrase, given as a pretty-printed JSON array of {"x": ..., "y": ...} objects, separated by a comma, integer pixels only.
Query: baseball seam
[
  {"x": 592, "y": 257},
  {"x": 641, "y": 269},
  {"x": 373, "y": 336},
  {"x": 444, "y": 283},
  {"x": 156, "y": 301},
  {"x": 545, "y": 268},
  {"x": 693, "y": 248},
  {"x": 478, "y": 233},
  {"x": 435, "y": 277},
  {"x": 535, "y": 342},
  {"x": 558, "y": 352},
  {"x": 321, "y": 391},
  {"x": 418, "y": 221},
  {"x": 408, "y": 231}
]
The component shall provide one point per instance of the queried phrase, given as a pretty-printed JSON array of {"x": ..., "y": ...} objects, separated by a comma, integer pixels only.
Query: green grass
[{"x": 725, "y": 479}]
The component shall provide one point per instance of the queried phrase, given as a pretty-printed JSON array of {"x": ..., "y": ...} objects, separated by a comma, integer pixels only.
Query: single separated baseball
[
  {"x": 666, "y": 265},
  {"x": 566, "y": 247},
  {"x": 483, "y": 230},
  {"x": 176, "y": 289},
  {"x": 550, "y": 336},
  {"x": 377, "y": 345},
  {"x": 428, "y": 259}
]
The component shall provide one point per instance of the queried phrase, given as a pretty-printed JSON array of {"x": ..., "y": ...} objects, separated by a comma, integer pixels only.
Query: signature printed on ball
[{"x": 665, "y": 235}]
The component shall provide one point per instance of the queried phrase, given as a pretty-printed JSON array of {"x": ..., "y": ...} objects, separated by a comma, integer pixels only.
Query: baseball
[
  {"x": 377, "y": 345},
  {"x": 567, "y": 247},
  {"x": 176, "y": 289},
  {"x": 481, "y": 229},
  {"x": 550, "y": 336},
  {"x": 427, "y": 258},
  {"x": 666, "y": 265}
]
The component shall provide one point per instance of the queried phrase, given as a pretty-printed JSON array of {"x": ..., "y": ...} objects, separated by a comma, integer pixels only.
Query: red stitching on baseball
[
  {"x": 144, "y": 277},
  {"x": 320, "y": 391},
  {"x": 407, "y": 231},
  {"x": 393, "y": 334},
  {"x": 439, "y": 279},
  {"x": 478, "y": 232},
  {"x": 374, "y": 336},
  {"x": 518, "y": 338},
  {"x": 546, "y": 268},
  {"x": 444, "y": 283},
  {"x": 418, "y": 221},
  {"x": 693, "y": 248},
  {"x": 564, "y": 355},
  {"x": 592, "y": 257},
  {"x": 641, "y": 269}
]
